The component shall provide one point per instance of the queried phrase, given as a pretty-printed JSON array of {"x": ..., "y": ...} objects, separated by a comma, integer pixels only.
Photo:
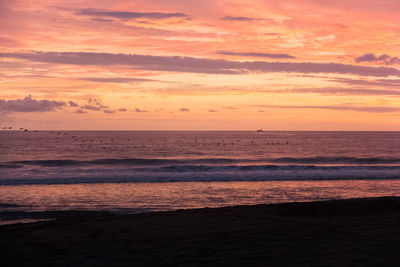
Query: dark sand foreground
[{"x": 358, "y": 232}]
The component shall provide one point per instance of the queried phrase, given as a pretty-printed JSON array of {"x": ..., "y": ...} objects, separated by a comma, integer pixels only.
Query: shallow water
[{"x": 142, "y": 197}]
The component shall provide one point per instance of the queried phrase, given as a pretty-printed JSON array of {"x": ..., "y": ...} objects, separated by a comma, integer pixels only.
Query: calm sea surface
[{"x": 144, "y": 171}]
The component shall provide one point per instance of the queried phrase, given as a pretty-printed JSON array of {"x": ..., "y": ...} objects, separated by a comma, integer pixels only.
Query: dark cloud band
[{"x": 198, "y": 65}]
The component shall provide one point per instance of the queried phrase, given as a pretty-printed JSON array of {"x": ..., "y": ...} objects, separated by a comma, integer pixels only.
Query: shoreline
[{"x": 362, "y": 232}]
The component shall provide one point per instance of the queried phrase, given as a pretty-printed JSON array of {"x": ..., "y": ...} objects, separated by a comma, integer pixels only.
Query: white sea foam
[{"x": 193, "y": 173}]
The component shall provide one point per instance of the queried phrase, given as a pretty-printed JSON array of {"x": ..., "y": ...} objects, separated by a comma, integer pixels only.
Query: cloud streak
[
  {"x": 235, "y": 18},
  {"x": 337, "y": 108},
  {"x": 345, "y": 91},
  {"x": 126, "y": 15},
  {"x": 116, "y": 80},
  {"x": 254, "y": 54},
  {"x": 378, "y": 82},
  {"x": 198, "y": 65},
  {"x": 90, "y": 107},
  {"x": 28, "y": 104}
]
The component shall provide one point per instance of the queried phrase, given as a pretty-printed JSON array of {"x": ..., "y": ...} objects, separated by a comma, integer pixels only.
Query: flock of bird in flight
[
  {"x": 195, "y": 142},
  {"x": 21, "y": 129}
]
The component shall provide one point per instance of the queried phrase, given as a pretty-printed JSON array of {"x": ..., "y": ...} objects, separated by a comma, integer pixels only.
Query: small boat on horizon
[{"x": 260, "y": 131}]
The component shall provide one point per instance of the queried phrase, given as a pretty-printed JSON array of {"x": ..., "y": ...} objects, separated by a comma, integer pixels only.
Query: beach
[{"x": 353, "y": 232}]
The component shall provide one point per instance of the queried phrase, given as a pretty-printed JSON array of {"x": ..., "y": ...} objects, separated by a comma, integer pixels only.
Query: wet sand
[{"x": 357, "y": 232}]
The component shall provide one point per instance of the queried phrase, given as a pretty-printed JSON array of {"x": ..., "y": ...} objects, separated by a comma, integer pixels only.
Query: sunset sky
[{"x": 200, "y": 65}]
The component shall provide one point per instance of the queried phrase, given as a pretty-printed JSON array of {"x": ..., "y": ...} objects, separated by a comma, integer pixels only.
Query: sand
[{"x": 358, "y": 232}]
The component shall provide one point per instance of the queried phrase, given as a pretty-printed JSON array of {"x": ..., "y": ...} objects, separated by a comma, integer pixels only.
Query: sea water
[{"x": 145, "y": 171}]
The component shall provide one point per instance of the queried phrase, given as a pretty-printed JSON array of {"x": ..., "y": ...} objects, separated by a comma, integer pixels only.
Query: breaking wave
[
  {"x": 153, "y": 162},
  {"x": 192, "y": 173}
]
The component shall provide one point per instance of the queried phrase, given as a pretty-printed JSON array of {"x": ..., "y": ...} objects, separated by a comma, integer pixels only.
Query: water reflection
[{"x": 139, "y": 197}]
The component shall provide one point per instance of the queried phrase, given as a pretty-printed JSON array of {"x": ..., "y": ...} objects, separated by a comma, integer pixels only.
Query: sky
[{"x": 200, "y": 65}]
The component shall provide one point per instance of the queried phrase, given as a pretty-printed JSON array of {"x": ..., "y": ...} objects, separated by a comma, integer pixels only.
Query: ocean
[{"x": 132, "y": 171}]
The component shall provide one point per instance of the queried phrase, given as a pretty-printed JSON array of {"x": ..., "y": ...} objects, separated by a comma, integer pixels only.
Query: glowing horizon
[{"x": 200, "y": 65}]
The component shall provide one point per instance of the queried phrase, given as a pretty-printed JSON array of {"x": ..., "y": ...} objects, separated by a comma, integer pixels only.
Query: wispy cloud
[
  {"x": 328, "y": 90},
  {"x": 90, "y": 107},
  {"x": 198, "y": 65},
  {"x": 390, "y": 83},
  {"x": 101, "y": 19},
  {"x": 248, "y": 19},
  {"x": 254, "y": 54},
  {"x": 116, "y": 80},
  {"x": 28, "y": 104},
  {"x": 345, "y": 91},
  {"x": 236, "y": 18},
  {"x": 140, "y": 110},
  {"x": 184, "y": 110},
  {"x": 128, "y": 15},
  {"x": 373, "y": 109}
]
